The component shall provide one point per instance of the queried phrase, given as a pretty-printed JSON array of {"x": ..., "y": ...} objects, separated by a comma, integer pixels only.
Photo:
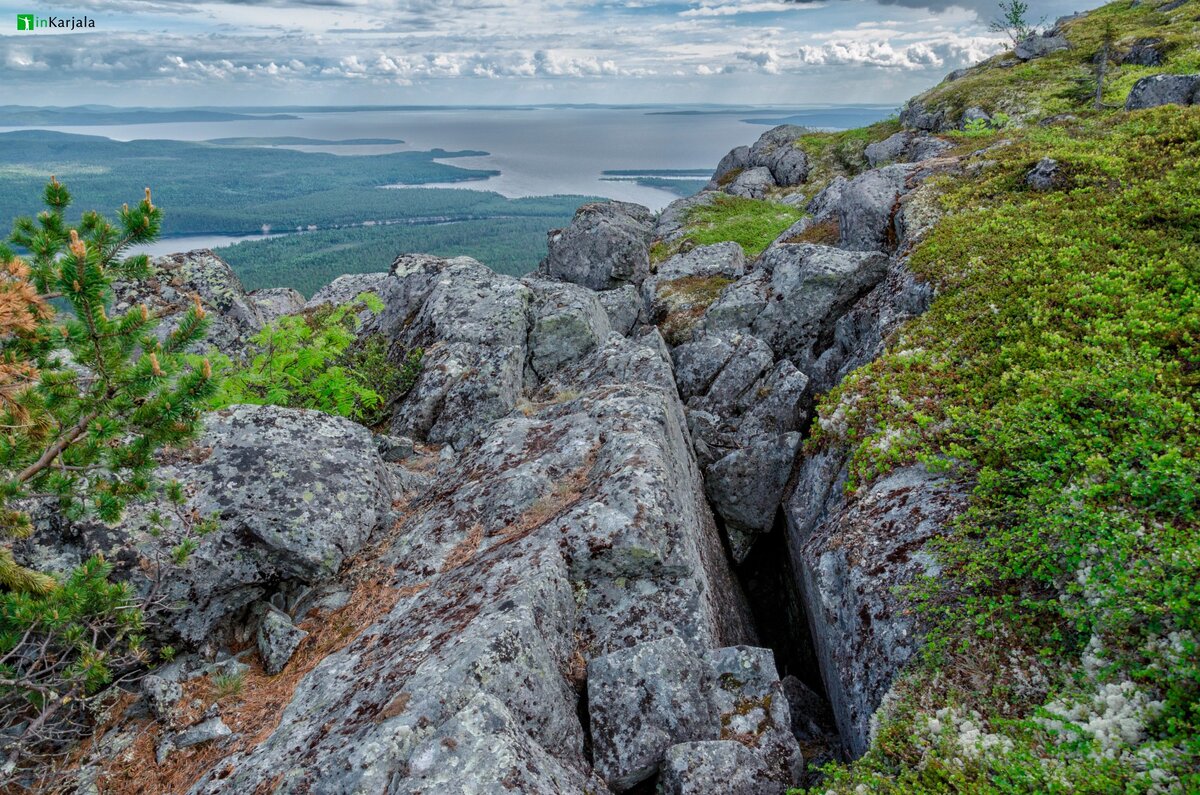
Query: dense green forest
[
  {"x": 356, "y": 225},
  {"x": 295, "y": 140},
  {"x": 226, "y": 189},
  {"x": 309, "y": 260}
]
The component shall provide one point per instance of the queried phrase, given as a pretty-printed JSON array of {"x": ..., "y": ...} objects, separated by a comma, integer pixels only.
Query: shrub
[
  {"x": 316, "y": 360},
  {"x": 1058, "y": 371}
]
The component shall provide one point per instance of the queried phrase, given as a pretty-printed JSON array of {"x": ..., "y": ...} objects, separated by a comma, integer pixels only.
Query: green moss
[
  {"x": 1062, "y": 82},
  {"x": 1059, "y": 372},
  {"x": 750, "y": 223}
]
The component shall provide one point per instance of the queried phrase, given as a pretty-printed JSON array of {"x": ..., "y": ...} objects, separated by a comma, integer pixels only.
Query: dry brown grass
[{"x": 254, "y": 713}]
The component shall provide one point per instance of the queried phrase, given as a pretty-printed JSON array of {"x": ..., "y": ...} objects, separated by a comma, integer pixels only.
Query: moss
[
  {"x": 686, "y": 300},
  {"x": 750, "y": 223},
  {"x": 825, "y": 233},
  {"x": 1059, "y": 372},
  {"x": 1062, "y": 82}
]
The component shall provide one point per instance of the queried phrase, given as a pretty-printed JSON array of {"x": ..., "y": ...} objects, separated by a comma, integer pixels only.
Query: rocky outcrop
[
  {"x": 865, "y": 207},
  {"x": 293, "y": 492},
  {"x": 853, "y": 555},
  {"x": 915, "y": 116},
  {"x": 1039, "y": 45},
  {"x": 1150, "y": 92},
  {"x": 606, "y": 246},
  {"x": 555, "y": 538},
  {"x": 776, "y": 150},
  {"x": 773, "y": 161},
  {"x": 275, "y": 302},
  {"x": 177, "y": 281},
  {"x": 906, "y": 146},
  {"x": 1147, "y": 51}
]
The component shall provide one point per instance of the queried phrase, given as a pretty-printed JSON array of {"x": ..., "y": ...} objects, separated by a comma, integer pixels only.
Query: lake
[{"x": 539, "y": 151}]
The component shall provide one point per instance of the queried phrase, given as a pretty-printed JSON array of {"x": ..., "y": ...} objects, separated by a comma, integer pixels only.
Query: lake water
[{"x": 539, "y": 151}]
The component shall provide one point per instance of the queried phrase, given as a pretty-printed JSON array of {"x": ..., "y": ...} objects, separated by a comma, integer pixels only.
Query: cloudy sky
[{"x": 776, "y": 52}]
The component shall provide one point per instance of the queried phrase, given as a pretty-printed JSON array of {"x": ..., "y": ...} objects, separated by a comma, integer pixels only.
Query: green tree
[
  {"x": 99, "y": 394},
  {"x": 1013, "y": 21}
]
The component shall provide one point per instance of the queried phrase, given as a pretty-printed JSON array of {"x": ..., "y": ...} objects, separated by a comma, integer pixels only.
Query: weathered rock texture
[
  {"x": 606, "y": 246},
  {"x": 294, "y": 493},
  {"x": 1150, "y": 92},
  {"x": 177, "y": 280},
  {"x": 570, "y": 530},
  {"x": 853, "y": 555}
]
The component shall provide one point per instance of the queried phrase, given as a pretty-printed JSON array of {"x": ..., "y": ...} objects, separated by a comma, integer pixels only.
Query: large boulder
[
  {"x": 853, "y": 554},
  {"x": 645, "y": 700},
  {"x": 294, "y": 493},
  {"x": 865, "y": 207},
  {"x": 1150, "y": 92},
  {"x": 811, "y": 287},
  {"x": 777, "y": 151},
  {"x": 568, "y": 322},
  {"x": 753, "y": 183},
  {"x": 607, "y": 245},
  {"x": 1149, "y": 51},
  {"x": 916, "y": 116},
  {"x": 737, "y": 160},
  {"x": 473, "y": 325},
  {"x": 178, "y": 280},
  {"x": 642, "y": 701}
]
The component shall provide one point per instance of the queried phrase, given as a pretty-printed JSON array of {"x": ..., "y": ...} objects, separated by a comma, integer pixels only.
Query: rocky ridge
[
  {"x": 540, "y": 579},
  {"x": 554, "y": 550}
]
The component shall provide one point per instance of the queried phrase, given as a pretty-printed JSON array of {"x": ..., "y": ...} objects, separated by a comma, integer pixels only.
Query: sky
[{"x": 496, "y": 52}]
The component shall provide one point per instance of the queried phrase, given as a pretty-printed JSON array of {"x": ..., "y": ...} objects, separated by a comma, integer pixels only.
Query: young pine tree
[{"x": 85, "y": 399}]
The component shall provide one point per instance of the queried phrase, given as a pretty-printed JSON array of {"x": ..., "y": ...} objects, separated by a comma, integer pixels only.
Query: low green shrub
[{"x": 317, "y": 360}]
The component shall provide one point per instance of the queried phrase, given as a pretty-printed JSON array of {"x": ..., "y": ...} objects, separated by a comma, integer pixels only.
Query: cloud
[{"x": 439, "y": 48}]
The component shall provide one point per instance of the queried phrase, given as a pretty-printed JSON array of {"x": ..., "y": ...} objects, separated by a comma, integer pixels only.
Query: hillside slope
[{"x": 870, "y": 468}]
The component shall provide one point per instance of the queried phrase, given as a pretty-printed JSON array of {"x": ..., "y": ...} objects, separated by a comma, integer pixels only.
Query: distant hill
[{"x": 85, "y": 115}]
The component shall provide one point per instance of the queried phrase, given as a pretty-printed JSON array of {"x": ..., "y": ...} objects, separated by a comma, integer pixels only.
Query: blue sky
[{"x": 777, "y": 52}]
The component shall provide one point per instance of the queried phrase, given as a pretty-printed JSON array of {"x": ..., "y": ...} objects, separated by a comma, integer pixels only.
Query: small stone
[
  {"x": 204, "y": 732},
  {"x": 278, "y": 638},
  {"x": 394, "y": 448},
  {"x": 161, "y": 695},
  {"x": 1044, "y": 176}
]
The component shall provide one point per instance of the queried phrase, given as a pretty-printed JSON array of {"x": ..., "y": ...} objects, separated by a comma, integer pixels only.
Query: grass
[
  {"x": 750, "y": 223},
  {"x": 1059, "y": 372},
  {"x": 1062, "y": 81},
  {"x": 230, "y": 684}
]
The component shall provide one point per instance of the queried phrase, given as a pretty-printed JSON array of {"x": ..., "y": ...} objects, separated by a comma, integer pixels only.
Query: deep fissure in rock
[{"x": 770, "y": 585}]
